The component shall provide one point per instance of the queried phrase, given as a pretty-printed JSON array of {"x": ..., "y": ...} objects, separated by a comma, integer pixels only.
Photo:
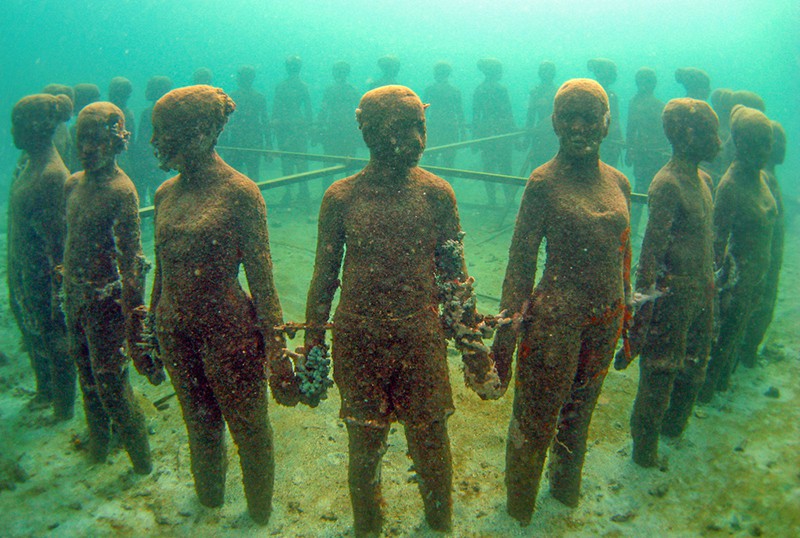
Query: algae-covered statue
[
  {"x": 215, "y": 340},
  {"x": 104, "y": 272},
  {"x": 605, "y": 72},
  {"x": 762, "y": 314},
  {"x": 744, "y": 216},
  {"x": 36, "y": 231},
  {"x": 570, "y": 322},
  {"x": 673, "y": 325},
  {"x": 400, "y": 228}
]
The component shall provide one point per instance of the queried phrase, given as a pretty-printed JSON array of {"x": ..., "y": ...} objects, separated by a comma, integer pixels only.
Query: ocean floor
[{"x": 735, "y": 471}]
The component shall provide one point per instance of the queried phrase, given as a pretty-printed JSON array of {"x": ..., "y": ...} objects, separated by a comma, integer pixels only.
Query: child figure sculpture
[
  {"x": 398, "y": 224},
  {"x": 104, "y": 271},
  {"x": 216, "y": 340},
  {"x": 672, "y": 328},
  {"x": 573, "y": 318},
  {"x": 35, "y": 248}
]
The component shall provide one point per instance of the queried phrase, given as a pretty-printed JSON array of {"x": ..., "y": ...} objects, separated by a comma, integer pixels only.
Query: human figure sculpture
[
  {"x": 444, "y": 117},
  {"x": 761, "y": 317},
  {"x": 572, "y": 319},
  {"x": 249, "y": 127},
  {"x": 36, "y": 231},
  {"x": 336, "y": 130},
  {"x": 104, "y": 272},
  {"x": 119, "y": 92},
  {"x": 673, "y": 325},
  {"x": 202, "y": 75},
  {"x": 148, "y": 173},
  {"x": 62, "y": 138},
  {"x": 216, "y": 341},
  {"x": 543, "y": 142},
  {"x": 491, "y": 116},
  {"x": 396, "y": 222},
  {"x": 722, "y": 102},
  {"x": 291, "y": 122},
  {"x": 389, "y": 66},
  {"x": 696, "y": 82},
  {"x": 605, "y": 72},
  {"x": 725, "y": 100},
  {"x": 648, "y": 148},
  {"x": 85, "y": 94},
  {"x": 744, "y": 218}
]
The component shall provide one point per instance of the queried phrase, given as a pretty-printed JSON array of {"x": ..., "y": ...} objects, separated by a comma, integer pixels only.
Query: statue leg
[
  {"x": 62, "y": 374},
  {"x": 367, "y": 445},
  {"x": 652, "y": 399},
  {"x": 546, "y": 365},
  {"x": 569, "y": 447},
  {"x": 202, "y": 416},
  {"x": 429, "y": 446},
  {"x": 105, "y": 334},
  {"x": 238, "y": 379},
  {"x": 97, "y": 420}
]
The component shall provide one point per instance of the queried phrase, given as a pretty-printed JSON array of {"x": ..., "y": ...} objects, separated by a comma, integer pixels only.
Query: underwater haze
[
  {"x": 741, "y": 44},
  {"x": 734, "y": 472}
]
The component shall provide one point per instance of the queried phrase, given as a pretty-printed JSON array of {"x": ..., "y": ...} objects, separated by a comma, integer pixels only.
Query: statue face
[
  {"x": 95, "y": 146},
  {"x": 581, "y": 124},
  {"x": 167, "y": 147},
  {"x": 705, "y": 141},
  {"x": 399, "y": 135},
  {"x": 755, "y": 150}
]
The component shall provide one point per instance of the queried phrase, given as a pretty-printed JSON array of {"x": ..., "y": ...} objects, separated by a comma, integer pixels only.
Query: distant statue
[
  {"x": 745, "y": 213},
  {"x": 543, "y": 142},
  {"x": 696, "y": 82},
  {"x": 605, "y": 72},
  {"x": 389, "y": 66},
  {"x": 393, "y": 231},
  {"x": 762, "y": 314},
  {"x": 444, "y": 116},
  {"x": 648, "y": 148},
  {"x": 148, "y": 175},
  {"x": 570, "y": 322},
  {"x": 202, "y": 75},
  {"x": 36, "y": 230},
  {"x": 119, "y": 91},
  {"x": 336, "y": 129},
  {"x": 492, "y": 116},
  {"x": 104, "y": 272},
  {"x": 217, "y": 342},
  {"x": 291, "y": 122},
  {"x": 62, "y": 138},
  {"x": 249, "y": 126},
  {"x": 85, "y": 94},
  {"x": 674, "y": 299}
]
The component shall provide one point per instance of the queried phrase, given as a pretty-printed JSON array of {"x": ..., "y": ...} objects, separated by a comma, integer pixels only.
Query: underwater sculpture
[
  {"x": 744, "y": 217},
  {"x": 291, "y": 122},
  {"x": 36, "y": 232},
  {"x": 148, "y": 176},
  {"x": 336, "y": 130},
  {"x": 389, "y": 66},
  {"x": 445, "y": 116},
  {"x": 85, "y": 94},
  {"x": 202, "y": 75},
  {"x": 543, "y": 142},
  {"x": 571, "y": 321},
  {"x": 249, "y": 126},
  {"x": 62, "y": 139},
  {"x": 215, "y": 340},
  {"x": 696, "y": 82},
  {"x": 648, "y": 148},
  {"x": 119, "y": 92},
  {"x": 491, "y": 116},
  {"x": 674, "y": 300},
  {"x": 104, "y": 273},
  {"x": 605, "y": 72},
  {"x": 400, "y": 227},
  {"x": 761, "y": 317}
]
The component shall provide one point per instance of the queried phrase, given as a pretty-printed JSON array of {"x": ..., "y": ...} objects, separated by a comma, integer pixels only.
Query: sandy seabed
[{"x": 735, "y": 471}]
